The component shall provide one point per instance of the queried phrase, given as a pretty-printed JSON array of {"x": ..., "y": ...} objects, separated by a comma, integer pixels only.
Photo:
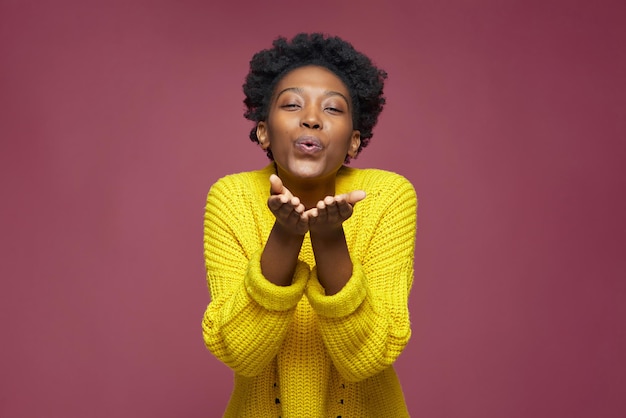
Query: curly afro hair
[{"x": 364, "y": 81}]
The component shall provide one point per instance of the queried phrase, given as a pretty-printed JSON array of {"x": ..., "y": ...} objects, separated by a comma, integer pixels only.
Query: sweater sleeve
[
  {"x": 248, "y": 317},
  {"x": 365, "y": 326}
]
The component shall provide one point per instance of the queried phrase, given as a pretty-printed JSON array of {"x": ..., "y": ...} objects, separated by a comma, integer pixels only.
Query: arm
[
  {"x": 365, "y": 326},
  {"x": 280, "y": 254},
  {"x": 332, "y": 258},
  {"x": 248, "y": 317}
]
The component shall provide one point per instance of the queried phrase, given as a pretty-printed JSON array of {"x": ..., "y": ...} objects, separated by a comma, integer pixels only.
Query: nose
[{"x": 311, "y": 119}]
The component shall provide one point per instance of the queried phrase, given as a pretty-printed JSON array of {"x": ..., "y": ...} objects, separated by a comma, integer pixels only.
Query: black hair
[{"x": 364, "y": 81}]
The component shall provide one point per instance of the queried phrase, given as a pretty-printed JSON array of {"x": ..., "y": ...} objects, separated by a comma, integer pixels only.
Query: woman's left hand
[{"x": 330, "y": 213}]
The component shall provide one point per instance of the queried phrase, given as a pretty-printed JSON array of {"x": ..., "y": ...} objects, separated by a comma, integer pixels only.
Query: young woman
[{"x": 310, "y": 262}]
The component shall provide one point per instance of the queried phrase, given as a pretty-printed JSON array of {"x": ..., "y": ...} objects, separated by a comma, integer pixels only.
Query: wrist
[
  {"x": 287, "y": 234},
  {"x": 328, "y": 236}
]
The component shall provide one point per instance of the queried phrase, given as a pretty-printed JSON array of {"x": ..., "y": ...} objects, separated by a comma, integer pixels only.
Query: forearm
[
  {"x": 280, "y": 256},
  {"x": 332, "y": 258},
  {"x": 365, "y": 326}
]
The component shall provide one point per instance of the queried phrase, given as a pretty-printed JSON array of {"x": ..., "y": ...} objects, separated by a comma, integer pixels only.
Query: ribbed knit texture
[{"x": 295, "y": 351}]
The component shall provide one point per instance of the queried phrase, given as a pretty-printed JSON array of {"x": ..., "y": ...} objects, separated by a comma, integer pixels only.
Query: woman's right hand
[{"x": 287, "y": 208}]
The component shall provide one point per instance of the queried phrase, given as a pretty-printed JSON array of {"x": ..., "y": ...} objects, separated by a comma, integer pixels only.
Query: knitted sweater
[{"x": 296, "y": 352}]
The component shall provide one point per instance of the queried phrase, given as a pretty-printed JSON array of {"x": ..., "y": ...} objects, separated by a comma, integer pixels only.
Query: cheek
[
  {"x": 343, "y": 130},
  {"x": 281, "y": 126}
]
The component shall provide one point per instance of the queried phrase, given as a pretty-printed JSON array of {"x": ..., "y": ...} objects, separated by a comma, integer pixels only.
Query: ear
[
  {"x": 261, "y": 133},
  {"x": 355, "y": 142}
]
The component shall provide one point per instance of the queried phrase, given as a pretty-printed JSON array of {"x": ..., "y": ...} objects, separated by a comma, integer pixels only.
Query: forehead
[{"x": 312, "y": 77}]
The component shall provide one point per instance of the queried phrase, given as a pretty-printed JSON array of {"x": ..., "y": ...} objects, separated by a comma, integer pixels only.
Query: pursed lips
[{"x": 309, "y": 144}]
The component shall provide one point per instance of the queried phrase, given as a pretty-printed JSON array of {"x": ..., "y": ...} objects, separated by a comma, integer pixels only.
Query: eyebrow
[{"x": 300, "y": 91}]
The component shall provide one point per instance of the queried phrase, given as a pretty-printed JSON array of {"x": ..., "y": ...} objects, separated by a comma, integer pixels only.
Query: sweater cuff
[
  {"x": 342, "y": 303},
  {"x": 270, "y": 296}
]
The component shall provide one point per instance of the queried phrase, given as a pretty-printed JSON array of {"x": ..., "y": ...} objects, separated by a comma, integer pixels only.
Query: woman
[{"x": 310, "y": 262}]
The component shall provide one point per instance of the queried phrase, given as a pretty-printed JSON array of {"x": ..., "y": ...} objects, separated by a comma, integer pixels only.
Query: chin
[
  {"x": 308, "y": 174},
  {"x": 305, "y": 169},
  {"x": 309, "y": 170}
]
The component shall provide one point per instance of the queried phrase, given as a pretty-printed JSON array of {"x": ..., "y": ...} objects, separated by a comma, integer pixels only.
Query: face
[{"x": 309, "y": 127}]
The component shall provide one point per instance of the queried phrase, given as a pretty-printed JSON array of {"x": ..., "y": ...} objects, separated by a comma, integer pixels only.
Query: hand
[
  {"x": 331, "y": 212},
  {"x": 287, "y": 208}
]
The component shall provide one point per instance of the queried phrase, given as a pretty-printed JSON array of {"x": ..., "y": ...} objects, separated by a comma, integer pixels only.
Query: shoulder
[
  {"x": 389, "y": 195},
  {"x": 248, "y": 183},
  {"x": 376, "y": 182}
]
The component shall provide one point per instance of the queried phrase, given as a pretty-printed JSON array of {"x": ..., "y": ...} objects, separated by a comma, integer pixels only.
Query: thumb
[
  {"x": 276, "y": 185},
  {"x": 355, "y": 196}
]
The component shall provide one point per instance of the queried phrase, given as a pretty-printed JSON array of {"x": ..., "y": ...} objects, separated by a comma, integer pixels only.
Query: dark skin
[{"x": 311, "y": 103}]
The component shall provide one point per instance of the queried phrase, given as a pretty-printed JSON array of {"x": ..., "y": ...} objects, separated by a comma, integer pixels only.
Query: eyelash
[{"x": 293, "y": 106}]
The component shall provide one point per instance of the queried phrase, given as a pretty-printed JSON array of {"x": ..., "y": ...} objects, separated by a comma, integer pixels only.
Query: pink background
[{"x": 508, "y": 117}]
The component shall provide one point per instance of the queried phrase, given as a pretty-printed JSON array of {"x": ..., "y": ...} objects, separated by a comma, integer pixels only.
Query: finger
[
  {"x": 297, "y": 206},
  {"x": 311, "y": 216},
  {"x": 321, "y": 211},
  {"x": 302, "y": 226},
  {"x": 287, "y": 211},
  {"x": 276, "y": 185},
  {"x": 281, "y": 206},
  {"x": 275, "y": 202},
  {"x": 355, "y": 196},
  {"x": 345, "y": 210},
  {"x": 332, "y": 208}
]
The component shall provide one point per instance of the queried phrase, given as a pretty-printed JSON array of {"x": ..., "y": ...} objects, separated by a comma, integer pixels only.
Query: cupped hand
[
  {"x": 286, "y": 207},
  {"x": 332, "y": 211}
]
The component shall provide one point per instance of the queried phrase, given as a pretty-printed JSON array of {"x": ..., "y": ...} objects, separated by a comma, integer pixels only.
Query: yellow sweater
[{"x": 295, "y": 351}]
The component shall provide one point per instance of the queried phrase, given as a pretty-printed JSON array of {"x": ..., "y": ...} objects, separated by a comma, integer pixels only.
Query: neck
[
  {"x": 309, "y": 191},
  {"x": 309, "y": 196}
]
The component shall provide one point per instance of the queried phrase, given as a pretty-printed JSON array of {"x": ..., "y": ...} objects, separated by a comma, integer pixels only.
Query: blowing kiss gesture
[{"x": 324, "y": 221}]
